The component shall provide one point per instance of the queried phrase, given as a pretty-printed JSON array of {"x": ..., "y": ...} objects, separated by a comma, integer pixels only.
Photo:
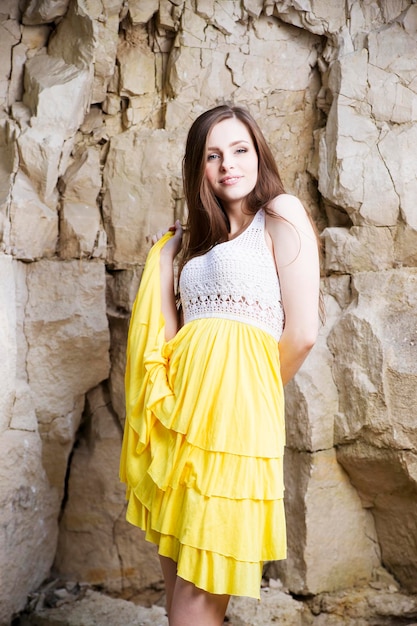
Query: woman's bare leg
[
  {"x": 191, "y": 606},
  {"x": 169, "y": 571}
]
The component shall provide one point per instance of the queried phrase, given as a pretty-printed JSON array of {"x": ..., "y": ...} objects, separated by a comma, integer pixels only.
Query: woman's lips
[{"x": 230, "y": 180}]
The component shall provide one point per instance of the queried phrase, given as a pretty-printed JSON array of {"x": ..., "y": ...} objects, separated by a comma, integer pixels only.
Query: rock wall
[{"x": 96, "y": 97}]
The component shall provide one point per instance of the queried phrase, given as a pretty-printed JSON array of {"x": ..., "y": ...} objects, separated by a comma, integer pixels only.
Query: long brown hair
[{"x": 207, "y": 223}]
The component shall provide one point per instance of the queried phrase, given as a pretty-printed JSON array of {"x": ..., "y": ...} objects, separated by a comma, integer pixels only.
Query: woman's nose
[{"x": 227, "y": 162}]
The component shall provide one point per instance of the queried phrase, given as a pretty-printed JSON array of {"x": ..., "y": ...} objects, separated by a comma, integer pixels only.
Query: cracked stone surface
[{"x": 380, "y": 602}]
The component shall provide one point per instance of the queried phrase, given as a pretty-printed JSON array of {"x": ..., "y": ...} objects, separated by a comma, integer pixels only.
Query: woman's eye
[
  {"x": 211, "y": 157},
  {"x": 241, "y": 150}
]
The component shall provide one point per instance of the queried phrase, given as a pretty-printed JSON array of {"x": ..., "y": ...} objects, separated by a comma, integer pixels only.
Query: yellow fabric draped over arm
[{"x": 144, "y": 362}]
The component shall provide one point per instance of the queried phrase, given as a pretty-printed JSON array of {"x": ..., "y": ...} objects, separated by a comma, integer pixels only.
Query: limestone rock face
[
  {"x": 97, "y": 608},
  {"x": 53, "y": 329},
  {"x": 42, "y": 11},
  {"x": 138, "y": 191},
  {"x": 64, "y": 329},
  {"x": 86, "y": 525},
  {"x": 82, "y": 232},
  {"x": 28, "y": 518},
  {"x": 96, "y": 97},
  {"x": 48, "y": 82},
  {"x": 318, "y": 543},
  {"x": 34, "y": 225},
  {"x": 359, "y": 125},
  {"x": 122, "y": 287},
  {"x": 8, "y": 362},
  {"x": 376, "y": 430}
]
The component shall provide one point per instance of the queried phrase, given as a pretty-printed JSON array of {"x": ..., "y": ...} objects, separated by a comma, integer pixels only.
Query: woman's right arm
[
  {"x": 168, "y": 301},
  {"x": 297, "y": 259}
]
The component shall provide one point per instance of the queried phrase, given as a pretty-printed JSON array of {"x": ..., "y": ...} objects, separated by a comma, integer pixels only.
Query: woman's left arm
[{"x": 296, "y": 254}]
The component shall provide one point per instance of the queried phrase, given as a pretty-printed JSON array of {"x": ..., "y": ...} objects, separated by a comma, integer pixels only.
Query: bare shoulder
[
  {"x": 292, "y": 212},
  {"x": 287, "y": 206}
]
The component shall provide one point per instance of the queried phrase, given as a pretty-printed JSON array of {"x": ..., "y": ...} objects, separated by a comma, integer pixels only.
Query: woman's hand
[{"x": 173, "y": 245}]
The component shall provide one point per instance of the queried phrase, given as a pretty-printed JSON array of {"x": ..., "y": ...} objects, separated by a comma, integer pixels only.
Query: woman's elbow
[
  {"x": 301, "y": 341},
  {"x": 309, "y": 339},
  {"x": 304, "y": 347}
]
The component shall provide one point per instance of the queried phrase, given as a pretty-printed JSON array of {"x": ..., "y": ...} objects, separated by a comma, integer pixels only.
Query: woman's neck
[{"x": 238, "y": 220}]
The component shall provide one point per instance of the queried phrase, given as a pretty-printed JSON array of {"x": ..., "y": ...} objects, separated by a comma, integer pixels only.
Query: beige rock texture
[
  {"x": 54, "y": 323},
  {"x": 96, "y": 97},
  {"x": 86, "y": 524},
  {"x": 71, "y": 604},
  {"x": 96, "y": 609}
]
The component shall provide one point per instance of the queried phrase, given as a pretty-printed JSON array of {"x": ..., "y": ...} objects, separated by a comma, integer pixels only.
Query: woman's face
[{"x": 231, "y": 162}]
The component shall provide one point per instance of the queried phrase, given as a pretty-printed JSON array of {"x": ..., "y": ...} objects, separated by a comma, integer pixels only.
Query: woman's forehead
[{"x": 230, "y": 130}]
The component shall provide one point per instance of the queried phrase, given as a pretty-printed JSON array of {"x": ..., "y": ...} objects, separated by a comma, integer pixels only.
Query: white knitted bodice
[{"x": 236, "y": 280}]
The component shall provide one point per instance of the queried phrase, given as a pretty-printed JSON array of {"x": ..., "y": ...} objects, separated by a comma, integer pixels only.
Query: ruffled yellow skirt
[{"x": 202, "y": 452}]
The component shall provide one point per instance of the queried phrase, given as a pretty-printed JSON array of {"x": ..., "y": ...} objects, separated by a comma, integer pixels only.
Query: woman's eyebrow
[{"x": 234, "y": 143}]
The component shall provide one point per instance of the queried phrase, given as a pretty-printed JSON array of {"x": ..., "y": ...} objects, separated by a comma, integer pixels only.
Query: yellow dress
[{"x": 202, "y": 453}]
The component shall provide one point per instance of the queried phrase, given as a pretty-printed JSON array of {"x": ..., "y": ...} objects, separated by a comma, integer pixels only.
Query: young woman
[{"x": 204, "y": 437}]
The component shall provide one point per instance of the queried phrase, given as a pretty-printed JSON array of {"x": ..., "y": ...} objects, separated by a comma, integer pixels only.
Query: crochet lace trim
[{"x": 235, "y": 280}]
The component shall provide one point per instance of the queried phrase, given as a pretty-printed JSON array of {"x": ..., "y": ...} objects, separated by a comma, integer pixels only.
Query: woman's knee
[{"x": 191, "y": 606}]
